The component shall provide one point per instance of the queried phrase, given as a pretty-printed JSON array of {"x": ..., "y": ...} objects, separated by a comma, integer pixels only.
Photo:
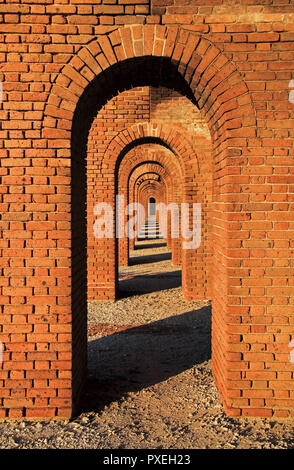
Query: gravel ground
[{"x": 150, "y": 384}]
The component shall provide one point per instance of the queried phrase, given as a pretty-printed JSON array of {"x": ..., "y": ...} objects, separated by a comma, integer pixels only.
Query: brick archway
[
  {"x": 216, "y": 86},
  {"x": 137, "y": 175},
  {"x": 195, "y": 175},
  {"x": 189, "y": 164},
  {"x": 214, "y": 80},
  {"x": 167, "y": 136},
  {"x": 150, "y": 189},
  {"x": 164, "y": 162},
  {"x": 224, "y": 99},
  {"x": 105, "y": 283}
]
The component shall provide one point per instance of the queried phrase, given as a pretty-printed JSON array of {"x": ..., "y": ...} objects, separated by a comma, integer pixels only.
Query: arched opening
[
  {"x": 211, "y": 83},
  {"x": 65, "y": 151},
  {"x": 152, "y": 207},
  {"x": 146, "y": 170},
  {"x": 153, "y": 275}
]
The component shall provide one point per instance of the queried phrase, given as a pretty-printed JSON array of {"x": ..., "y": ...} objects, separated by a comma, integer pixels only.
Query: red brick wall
[
  {"x": 155, "y": 105},
  {"x": 121, "y": 112},
  {"x": 129, "y": 184},
  {"x": 167, "y": 167},
  {"x": 59, "y": 66}
]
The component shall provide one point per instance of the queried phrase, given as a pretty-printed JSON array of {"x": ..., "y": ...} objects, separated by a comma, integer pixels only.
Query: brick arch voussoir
[
  {"x": 145, "y": 168},
  {"x": 146, "y": 179},
  {"x": 162, "y": 172},
  {"x": 147, "y": 186},
  {"x": 154, "y": 157},
  {"x": 215, "y": 81},
  {"x": 172, "y": 138},
  {"x": 159, "y": 161},
  {"x": 149, "y": 182},
  {"x": 148, "y": 174}
]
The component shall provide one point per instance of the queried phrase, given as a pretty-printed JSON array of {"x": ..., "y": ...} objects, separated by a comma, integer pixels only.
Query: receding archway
[
  {"x": 200, "y": 71},
  {"x": 152, "y": 207},
  {"x": 159, "y": 160}
]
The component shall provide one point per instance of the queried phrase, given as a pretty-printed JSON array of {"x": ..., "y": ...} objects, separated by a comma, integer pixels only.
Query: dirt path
[{"x": 150, "y": 384}]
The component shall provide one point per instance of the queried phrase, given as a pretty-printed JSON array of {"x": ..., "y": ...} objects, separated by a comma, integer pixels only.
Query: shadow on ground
[
  {"x": 154, "y": 258},
  {"x": 149, "y": 245},
  {"x": 147, "y": 283},
  {"x": 141, "y": 356}
]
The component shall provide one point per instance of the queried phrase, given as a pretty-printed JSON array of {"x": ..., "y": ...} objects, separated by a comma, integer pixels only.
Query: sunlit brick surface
[{"x": 97, "y": 95}]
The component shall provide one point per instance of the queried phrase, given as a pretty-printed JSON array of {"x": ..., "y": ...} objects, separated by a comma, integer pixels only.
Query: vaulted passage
[
  {"x": 153, "y": 176},
  {"x": 135, "y": 113},
  {"x": 159, "y": 121}
]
